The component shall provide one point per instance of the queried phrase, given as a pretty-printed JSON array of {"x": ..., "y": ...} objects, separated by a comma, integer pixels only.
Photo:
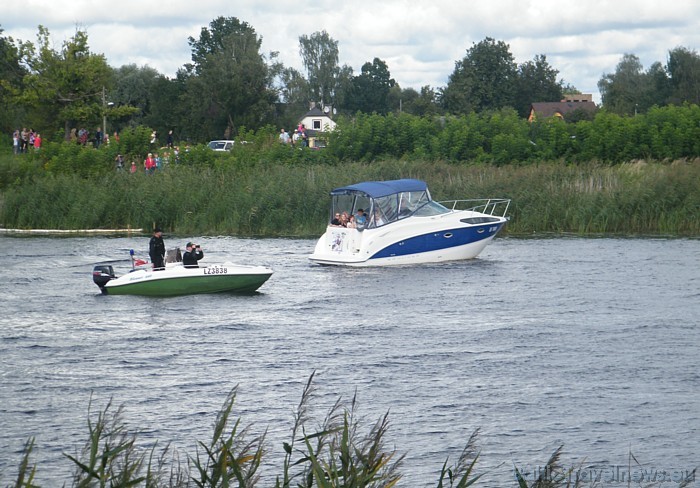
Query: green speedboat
[{"x": 177, "y": 279}]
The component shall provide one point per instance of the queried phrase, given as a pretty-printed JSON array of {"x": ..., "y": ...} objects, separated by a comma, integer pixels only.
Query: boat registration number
[{"x": 215, "y": 270}]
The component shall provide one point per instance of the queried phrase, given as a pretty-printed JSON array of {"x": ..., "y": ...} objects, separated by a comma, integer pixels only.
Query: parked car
[{"x": 221, "y": 145}]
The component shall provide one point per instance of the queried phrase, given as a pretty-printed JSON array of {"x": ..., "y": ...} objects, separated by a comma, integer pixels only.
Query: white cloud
[{"x": 419, "y": 41}]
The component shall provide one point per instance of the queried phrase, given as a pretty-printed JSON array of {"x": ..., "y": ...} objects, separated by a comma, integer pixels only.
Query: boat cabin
[{"x": 384, "y": 202}]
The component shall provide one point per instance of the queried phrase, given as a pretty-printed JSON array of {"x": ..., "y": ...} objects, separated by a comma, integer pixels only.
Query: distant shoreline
[{"x": 64, "y": 231}]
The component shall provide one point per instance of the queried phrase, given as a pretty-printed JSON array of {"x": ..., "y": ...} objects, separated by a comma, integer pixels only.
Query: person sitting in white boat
[
  {"x": 193, "y": 254},
  {"x": 377, "y": 219},
  {"x": 344, "y": 219},
  {"x": 351, "y": 222},
  {"x": 336, "y": 221},
  {"x": 360, "y": 218}
]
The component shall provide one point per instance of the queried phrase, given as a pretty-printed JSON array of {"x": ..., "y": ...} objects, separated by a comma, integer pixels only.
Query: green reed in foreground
[{"x": 334, "y": 454}]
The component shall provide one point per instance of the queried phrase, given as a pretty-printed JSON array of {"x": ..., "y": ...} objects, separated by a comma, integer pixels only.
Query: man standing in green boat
[
  {"x": 194, "y": 253},
  {"x": 156, "y": 249}
]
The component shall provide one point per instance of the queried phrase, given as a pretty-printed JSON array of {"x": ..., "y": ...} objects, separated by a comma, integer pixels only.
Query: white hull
[{"x": 415, "y": 240}]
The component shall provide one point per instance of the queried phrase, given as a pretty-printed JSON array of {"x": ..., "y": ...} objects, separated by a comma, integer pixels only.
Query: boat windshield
[
  {"x": 430, "y": 209},
  {"x": 398, "y": 206}
]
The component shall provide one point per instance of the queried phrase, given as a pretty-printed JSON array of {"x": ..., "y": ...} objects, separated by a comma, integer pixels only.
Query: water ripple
[{"x": 589, "y": 343}]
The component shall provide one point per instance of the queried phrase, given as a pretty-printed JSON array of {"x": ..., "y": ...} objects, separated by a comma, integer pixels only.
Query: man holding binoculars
[{"x": 193, "y": 254}]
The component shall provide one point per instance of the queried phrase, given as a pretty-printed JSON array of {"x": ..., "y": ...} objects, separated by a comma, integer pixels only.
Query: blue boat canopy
[{"x": 377, "y": 189}]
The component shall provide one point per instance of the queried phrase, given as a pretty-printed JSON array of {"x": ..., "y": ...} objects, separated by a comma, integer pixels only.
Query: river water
[{"x": 587, "y": 343}]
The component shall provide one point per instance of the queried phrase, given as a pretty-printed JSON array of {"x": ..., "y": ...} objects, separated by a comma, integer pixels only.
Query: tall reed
[{"x": 233, "y": 197}]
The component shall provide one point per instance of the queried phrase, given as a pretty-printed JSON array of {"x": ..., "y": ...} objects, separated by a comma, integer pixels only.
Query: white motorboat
[{"x": 405, "y": 226}]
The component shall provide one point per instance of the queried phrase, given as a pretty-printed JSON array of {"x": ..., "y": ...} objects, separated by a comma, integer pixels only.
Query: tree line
[{"x": 231, "y": 86}]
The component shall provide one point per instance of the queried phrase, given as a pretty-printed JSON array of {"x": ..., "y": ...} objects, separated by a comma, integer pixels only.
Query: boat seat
[{"x": 173, "y": 255}]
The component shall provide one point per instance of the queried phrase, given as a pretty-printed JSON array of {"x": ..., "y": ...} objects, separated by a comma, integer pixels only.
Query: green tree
[
  {"x": 65, "y": 86},
  {"x": 294, "y": 97},
  {"x": 131, "y": 99},
  {"x": 623, "y": 91},
  {"x": 684, "y": 70},
  {"x": 228, "y": 84},
  {"x": 536, "y": 82},
  {"x": 11, "y": 75},
  {"x": 410, "y": 101},
  {"x": 164, "y": 112},
  {"x": 133, "y": 86},
  {"x": 660, "y": 90},
  {"x": 484, "y": 79},
  {"x": 371, "y": 88},
  {"x": 319, "y": 55},
  {"x": 344, "y": 88}
]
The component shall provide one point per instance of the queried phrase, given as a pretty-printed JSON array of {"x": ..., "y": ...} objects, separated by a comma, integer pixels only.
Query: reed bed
[
  {"x": 232, "y": 197},
  {"x": 332, "y": 453}
]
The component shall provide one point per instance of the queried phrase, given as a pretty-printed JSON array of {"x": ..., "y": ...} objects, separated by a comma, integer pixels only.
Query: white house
[{"x": 318, "y": 120}]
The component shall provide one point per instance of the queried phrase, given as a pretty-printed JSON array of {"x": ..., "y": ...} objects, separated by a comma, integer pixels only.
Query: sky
[{"x": 419, "y": 41}]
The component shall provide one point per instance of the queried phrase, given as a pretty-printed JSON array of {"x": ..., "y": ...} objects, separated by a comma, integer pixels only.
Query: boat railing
[{"x": 498, "y": 207}]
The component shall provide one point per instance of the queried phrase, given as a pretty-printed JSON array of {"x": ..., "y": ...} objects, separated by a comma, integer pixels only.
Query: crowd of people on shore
[
  {"x": 298, "y": 138},
  {"x": 151, "y": 164},
  {"x": 24, "y": 140}
]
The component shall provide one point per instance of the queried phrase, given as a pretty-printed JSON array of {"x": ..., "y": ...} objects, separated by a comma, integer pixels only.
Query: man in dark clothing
[
  {"x": 156, "y": 249},
  {"x": 193, "y": 254}
]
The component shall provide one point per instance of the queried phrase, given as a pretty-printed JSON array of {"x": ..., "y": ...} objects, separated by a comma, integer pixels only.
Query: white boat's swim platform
[{"x": 403, "y": 225}]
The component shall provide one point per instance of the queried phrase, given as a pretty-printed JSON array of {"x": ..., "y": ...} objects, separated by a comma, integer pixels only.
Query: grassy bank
[
  {"x": 323, "y": 453},
  {"x": 267, "y": 199}
]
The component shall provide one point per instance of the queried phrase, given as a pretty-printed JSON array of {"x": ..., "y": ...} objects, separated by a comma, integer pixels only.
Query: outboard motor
[{"x": 101, "y": 274}]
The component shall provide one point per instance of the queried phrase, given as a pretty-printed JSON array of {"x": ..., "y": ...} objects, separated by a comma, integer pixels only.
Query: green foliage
[
  {"x": 16, "y": 171},
  {"x": 485, "y": 79},
  {"x": 630, "y": 90},
  {"x": 253, "y": 189},
  {"x": 11, "y": 75},
  {"x": 683, "y": 68},
  {"x": 536, "y": 82},
  {"x": 75, "y": 160},
  {"x": 135, "y": 143},
  {"x": 319, "y": 56},
  {"x": 26, "y": 473},
  {"x": 371, "y": 88},
  {"x": 229, "y": 194},
  {"x": 227, "y": 85},
  {"x": 230, "y": 457},
  {"x": 64, "y": 87},
  {"x": 109, "y": 457},
  {"x": 461, "y": 475}
]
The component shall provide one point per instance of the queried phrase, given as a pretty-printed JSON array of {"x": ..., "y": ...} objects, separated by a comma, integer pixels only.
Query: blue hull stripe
[{"x": 435, "y": 241}]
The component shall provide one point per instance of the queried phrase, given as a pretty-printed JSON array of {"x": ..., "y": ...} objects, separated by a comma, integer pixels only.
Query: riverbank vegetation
[
  {"x": 613, "y": 175},
  {"x": 225, "y": 195},
  {"x": 333, "y": 452}
]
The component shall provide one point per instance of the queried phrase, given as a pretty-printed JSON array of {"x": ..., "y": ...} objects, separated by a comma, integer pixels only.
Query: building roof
[
  {"x": 560, "y": 109},
  {"x": 316, "y": 112}
]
